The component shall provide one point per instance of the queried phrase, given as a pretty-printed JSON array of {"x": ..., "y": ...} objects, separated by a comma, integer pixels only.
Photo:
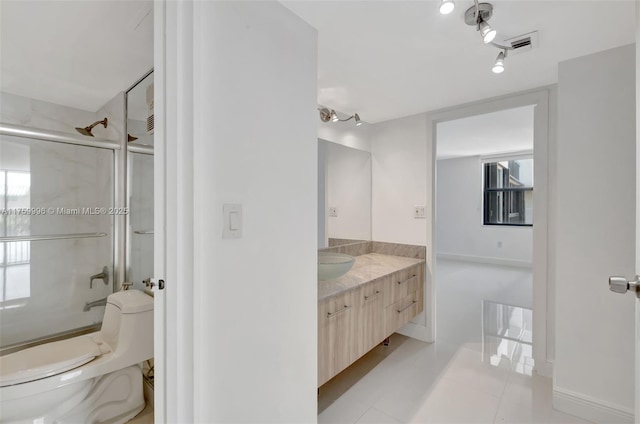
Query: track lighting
[
  {"x": 498, "y": 67},
  {"x": 478, "y": 15},
  {"x": 487, "y": 33},
  {"x": 447, "y": 6},
  {"x": 327, "y": 115}
]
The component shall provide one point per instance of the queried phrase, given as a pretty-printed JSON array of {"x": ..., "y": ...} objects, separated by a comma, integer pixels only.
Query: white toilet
[{"x": 93, "y": 378}]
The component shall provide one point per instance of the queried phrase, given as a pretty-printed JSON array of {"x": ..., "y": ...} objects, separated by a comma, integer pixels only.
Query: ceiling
[
  {"x": 382, "y": 59},
  {"x": 388, "y": 59},
  {"x": 75, "y": 53},
  {"x": 506, "y": 131}
]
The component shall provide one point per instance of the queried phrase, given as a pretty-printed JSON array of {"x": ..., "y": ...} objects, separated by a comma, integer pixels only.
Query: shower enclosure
[
  {"x": 76, "y": 219},
  {"x": 57, "y": 229}
]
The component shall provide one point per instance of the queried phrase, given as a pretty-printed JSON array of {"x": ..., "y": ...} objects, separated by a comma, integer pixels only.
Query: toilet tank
[{"x": 127, "y": 326}]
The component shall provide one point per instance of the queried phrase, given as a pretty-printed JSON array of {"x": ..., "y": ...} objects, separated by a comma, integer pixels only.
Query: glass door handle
[{"x": 622, "y": 285}]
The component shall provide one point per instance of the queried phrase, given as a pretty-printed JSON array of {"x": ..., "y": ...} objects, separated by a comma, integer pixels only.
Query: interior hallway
[{"x": 475, "y": 373}]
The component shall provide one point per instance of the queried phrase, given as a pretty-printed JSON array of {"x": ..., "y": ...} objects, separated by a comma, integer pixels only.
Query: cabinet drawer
[
  {"x": 403, "y": 283},
  {"x": 402, "y": 311},
  {"x": 371, "y": 293}
]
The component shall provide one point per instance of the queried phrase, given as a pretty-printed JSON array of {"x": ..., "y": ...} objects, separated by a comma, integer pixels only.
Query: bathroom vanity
[{"x": 383, "y": 291}]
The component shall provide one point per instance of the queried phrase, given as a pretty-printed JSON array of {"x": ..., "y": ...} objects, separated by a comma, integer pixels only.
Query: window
[
  {"x": 15, "y": 256},
  {"x": 508, "y": 192}
]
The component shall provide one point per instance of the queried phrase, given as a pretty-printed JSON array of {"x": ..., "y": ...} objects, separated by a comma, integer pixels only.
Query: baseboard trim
[
  {"x": 590, "y": 409},
  {"x": 415, "y": 331},
  {"x": 485, "y": 260},
  {"x": 543, "y": 368}
]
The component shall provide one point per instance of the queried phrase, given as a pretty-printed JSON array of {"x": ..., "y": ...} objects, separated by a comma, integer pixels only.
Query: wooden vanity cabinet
[{"x": 352, "y": 323}]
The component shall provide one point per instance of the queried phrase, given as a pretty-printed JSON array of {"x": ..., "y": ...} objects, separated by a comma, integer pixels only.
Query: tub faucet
[
  {"x": 89, "y": 305},
  {"x": 104, "y": 276}
]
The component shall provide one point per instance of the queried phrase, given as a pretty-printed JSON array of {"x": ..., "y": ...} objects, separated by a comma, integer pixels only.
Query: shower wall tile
[
  {"x": 113, "y": 110},
  {"x": 38, "y": 114},
  {"x": 15, "y": 109},
  {"x": 43, "y": 115}
]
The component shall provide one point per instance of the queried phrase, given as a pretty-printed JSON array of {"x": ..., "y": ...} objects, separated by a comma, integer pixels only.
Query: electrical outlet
[
  {"x": 333, "y": 211},
  {"x": 418, "y": 212}
]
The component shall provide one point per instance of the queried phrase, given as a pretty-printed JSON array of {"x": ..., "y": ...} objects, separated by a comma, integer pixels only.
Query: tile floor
[
  {"x": 144, "y": 417},
  {"x": 479, "y": 371}
]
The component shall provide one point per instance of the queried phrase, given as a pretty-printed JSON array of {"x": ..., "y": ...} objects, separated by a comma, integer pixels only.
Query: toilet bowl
[{"x": 92, "y": 378}]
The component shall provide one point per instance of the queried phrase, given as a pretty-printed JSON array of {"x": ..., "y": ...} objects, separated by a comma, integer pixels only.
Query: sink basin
[{"x": 333, "y": 265}]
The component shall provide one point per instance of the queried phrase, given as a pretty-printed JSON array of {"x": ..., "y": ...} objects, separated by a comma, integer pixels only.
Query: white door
[
  {"x": 637, "y": 208},
  {"x": 624, "y": 285},
  {"x": 620, "y": 284}
]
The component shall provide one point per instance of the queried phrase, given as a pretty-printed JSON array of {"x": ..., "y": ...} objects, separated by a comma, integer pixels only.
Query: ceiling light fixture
[
  {"x": 447, "y": 6},
  {"x": 478, "y": 16},
  {"x": 327, "y": 115},
  {"x": 487, "y": 33},
  {"x": 498, "y": 67}
]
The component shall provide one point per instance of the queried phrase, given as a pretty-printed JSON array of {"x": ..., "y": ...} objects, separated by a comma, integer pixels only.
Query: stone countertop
[{"x": 366, "y": 268}]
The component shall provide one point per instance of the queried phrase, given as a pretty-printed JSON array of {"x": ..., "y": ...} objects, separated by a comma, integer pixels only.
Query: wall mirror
[
  {"x": 344, "y": 194},
  {"x": 140, "y": 182}
]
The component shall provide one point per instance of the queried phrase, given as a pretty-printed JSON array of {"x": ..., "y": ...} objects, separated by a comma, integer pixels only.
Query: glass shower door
[{"x": 56, "y": 230}]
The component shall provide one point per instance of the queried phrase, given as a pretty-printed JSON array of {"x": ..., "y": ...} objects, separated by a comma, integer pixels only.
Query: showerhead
[{"x": 87, "y": 130}]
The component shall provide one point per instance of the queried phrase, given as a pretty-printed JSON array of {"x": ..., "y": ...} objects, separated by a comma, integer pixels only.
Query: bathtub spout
[{"x": 89, "y": 305}]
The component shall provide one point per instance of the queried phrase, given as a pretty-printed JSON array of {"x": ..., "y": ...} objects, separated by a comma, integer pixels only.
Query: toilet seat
[{"x": 48, "y": 359}]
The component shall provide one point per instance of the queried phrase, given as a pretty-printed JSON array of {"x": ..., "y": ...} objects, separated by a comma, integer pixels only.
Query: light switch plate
[
  {"x": 333, "y": 211},
  {"x": 232, "y": 221},
  {"x": 418, "y": 212}
]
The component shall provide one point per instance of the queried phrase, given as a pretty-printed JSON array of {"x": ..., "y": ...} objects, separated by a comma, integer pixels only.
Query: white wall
[
  {"x": 400, "y": 162},
  {"x": 241, "y": 313},
  {"x": 594, "y": 358},
  {"x": 348, "y": 174},
  {"x": 459, "y": 229},
  {"x": 402, "y": 179},
  {"x": 322, "y": 195}
]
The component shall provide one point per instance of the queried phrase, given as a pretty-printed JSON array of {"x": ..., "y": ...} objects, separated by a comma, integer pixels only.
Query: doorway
[
  {"x": 484, "y": 235},
  {"x": 538, "y": 104}
]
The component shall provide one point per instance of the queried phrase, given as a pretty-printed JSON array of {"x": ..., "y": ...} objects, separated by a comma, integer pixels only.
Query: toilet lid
[{"x": 46, "y": 360}]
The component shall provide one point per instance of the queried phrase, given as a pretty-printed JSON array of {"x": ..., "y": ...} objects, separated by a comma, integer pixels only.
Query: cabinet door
[
  {"x": 370, "y": 322},
  {"x": 335, "y": 327}
]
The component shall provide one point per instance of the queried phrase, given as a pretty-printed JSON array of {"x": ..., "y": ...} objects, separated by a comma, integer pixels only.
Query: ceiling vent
[{"x": 522, "y": 43}]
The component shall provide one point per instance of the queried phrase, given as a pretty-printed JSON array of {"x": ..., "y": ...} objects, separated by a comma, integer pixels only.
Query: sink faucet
[
  {"x": 104, "y": 276},
  {"x": 89, "y": 305}
]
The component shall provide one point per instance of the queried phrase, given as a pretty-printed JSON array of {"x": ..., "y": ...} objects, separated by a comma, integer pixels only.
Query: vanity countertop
[{"x": 366, "y": 268}]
